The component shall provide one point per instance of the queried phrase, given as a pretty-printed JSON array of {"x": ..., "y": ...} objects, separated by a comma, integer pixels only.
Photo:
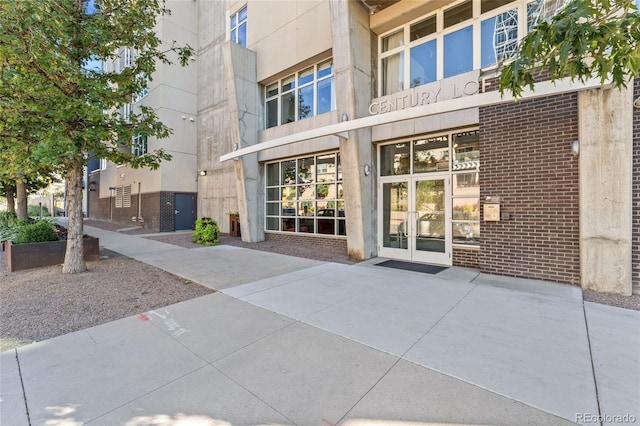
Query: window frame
[
  {"x": 280, "y": 93},
  {"x": 289, "y": 214},
  {"x": 235, "y": 27},
  {"x": 475, "y": 22},
  {"x": 139, "y": 146}
]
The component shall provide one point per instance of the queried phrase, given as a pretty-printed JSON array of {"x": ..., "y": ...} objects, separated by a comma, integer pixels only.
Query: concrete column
[
  {"x": 605, "y": 119},
  {"x": 244, "y": 118},
  {"x": 352, "y": 74}
]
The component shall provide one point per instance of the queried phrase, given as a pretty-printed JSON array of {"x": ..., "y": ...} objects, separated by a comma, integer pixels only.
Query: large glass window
[
  {"x": 239, "y": 27},
  {"x": 445, "y": 42},
  {"x": 466, "y": 188},
  {"x": 301, "y": 95},
  {"x": 305, "y": 195}
]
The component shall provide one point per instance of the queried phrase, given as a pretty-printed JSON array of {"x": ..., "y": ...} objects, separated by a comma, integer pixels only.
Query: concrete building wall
[
  {"x": 217, "y": 189},
  {"x": 286, "y": 34},
  {"x": 527, "y": 162},
  {"x": 606, "y": 189}
]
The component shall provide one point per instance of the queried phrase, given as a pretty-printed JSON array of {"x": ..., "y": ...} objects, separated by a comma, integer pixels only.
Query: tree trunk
[
  {"x": 74, "y": 256},
  {"x": 21, "y": 192},
  {"x": 11, "y": 199}
]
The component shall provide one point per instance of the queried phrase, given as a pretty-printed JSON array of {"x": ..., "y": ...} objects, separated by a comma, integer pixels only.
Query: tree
[
  {"x": 586, "y": 39},
  {"x": 59, "y": 103}
]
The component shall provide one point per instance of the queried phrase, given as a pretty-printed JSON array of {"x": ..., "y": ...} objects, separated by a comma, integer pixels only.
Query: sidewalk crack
[
  {"x": 24, "y": 393},
  {"x": 593, "y": 368}
]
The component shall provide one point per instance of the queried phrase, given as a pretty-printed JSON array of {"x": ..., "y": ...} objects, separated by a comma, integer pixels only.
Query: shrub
[
  {"x": 38, "y": 232},
  {"x": 34, "y": 211},
  {"x": 7, "y": 220},
  {"x": 9, "y": 225},
  {"x": 207, "y": 232}
]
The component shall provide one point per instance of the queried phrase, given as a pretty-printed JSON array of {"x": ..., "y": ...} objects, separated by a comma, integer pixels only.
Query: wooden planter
[
  {"x": 234, "y": 225},
  {"x": 25, "y": 256}
]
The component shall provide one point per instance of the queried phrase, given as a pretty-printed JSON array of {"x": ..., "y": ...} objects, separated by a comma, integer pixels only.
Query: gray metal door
[{"x": 185, "y": 211}]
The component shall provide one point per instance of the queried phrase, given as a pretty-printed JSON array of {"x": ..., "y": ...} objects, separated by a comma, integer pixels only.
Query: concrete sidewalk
[{"x": 294, "y": 341}]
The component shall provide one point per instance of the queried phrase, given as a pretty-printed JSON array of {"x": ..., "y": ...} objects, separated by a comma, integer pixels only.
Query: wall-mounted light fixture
[
  {"x": 192, "y": 119},
  {"x": 235, "y": 146},
  {"x": 345, "y": 116},
  {"x": 367, "y": 169},
  {"x": 636, "y": 103},
  {"x": 575, "y": 148},
  {"x": 202, "y": 172}
]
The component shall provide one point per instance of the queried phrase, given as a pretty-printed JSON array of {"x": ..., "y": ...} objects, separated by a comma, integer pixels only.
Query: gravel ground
[{"x": 42, "y": 303}]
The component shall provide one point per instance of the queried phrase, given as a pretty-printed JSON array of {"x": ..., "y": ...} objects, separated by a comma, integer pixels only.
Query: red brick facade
[
  {"x": 635, "y": 237},
  {"x": 526, "y": 160}
]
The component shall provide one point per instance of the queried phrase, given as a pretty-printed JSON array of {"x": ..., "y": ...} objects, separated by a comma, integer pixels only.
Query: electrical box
[{"x": 492, "y": 212}]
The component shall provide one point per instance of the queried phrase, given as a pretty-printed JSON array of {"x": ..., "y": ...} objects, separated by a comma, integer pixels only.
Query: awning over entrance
[{"x": 542, "y": 89}]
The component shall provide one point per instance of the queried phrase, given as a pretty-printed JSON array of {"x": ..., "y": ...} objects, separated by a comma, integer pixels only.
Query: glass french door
[{"x": 415, "y": 218}]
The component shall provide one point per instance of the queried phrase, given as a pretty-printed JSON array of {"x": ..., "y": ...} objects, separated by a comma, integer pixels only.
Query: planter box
[{"x": 25, "y": 256}]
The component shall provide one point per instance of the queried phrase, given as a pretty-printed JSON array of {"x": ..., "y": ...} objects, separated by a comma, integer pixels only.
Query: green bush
[
  {"x": 38, "y": 232},
  {"x": 34, "y": 211},
  {"x": 7, "y": 220},
  {"x": 9, "y": 225},
  {"x": 207, "y": 232}
]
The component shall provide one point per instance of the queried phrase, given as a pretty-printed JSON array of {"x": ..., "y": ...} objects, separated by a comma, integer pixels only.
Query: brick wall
[
  {"x": 338, "y": 244},
  {"x": 526, "y": 160},
  {"x": 635, "y": 236},
  {"x": 466, "y": 257},
  {"x": 167, "y": 215},
  {"x": 105, "y": 209}
]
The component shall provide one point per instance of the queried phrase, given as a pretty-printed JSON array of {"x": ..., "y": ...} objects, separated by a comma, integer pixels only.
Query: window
[
  {"x": 139, "y": 145},
  {"x": 466, "y": 187},
  {"x": 123, "y": 196},
  {"x": 446, "y": 42},
  {"x": 300, "y": 95},
  {"x": 305, "y": 195},
  {"x": 457, "y": 154},
  {"x": 126, "y": 111},
  {"x": 145, "y": 88},
  {"x": 239, "y": 27}
]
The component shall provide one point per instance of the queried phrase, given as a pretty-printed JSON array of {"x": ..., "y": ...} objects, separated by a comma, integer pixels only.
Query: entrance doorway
[
  {"x": 184, "y": 212},
  {"x": 415, "y": 215}
]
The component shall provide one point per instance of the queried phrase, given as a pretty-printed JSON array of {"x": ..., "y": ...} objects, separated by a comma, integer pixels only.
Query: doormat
[{"x": 409, "y": 266}]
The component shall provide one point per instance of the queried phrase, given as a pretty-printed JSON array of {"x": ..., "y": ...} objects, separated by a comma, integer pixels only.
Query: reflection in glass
[
  {"x": 305, "y": 225},
  {"x": 466, "y": 209},
  {"x": 288, "y": 107},
  {"x": 326, "y": 102},
  {"x": 466, "y": 232},
  {"x": 394, "y": 159},
  {"x": 394, "y": 215},
  {"x": 458, "y": 52},
  {"x": 289, "y": 171},
  {"x": 305, "y": 102},
  {"x": 423, "y": 63},
  {"x": 430, "y": 206},
  {"x": 466, "y": 184},
  {"x": 431, "y": 155},
  {"x": 499, "y": 38},
  {"x": 273, "y": 194}
]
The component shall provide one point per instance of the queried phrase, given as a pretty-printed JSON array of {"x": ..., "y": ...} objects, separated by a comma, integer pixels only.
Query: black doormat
[{"x": 409, "y": 266}]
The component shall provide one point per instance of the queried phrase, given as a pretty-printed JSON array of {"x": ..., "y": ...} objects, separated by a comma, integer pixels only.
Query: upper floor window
[
  {"x": 450, "y": 41},
  {"x": 139, "y": 145},
  {"x": 239, "y": 27},
  {"x": 300, "y": 95}
]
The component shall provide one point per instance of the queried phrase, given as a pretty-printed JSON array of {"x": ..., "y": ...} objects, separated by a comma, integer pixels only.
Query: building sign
[{"x": 467, "y": 84}]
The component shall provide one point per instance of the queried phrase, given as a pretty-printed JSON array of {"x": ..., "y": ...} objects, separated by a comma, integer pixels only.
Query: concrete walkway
[{"x": 295, "y": 341}]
